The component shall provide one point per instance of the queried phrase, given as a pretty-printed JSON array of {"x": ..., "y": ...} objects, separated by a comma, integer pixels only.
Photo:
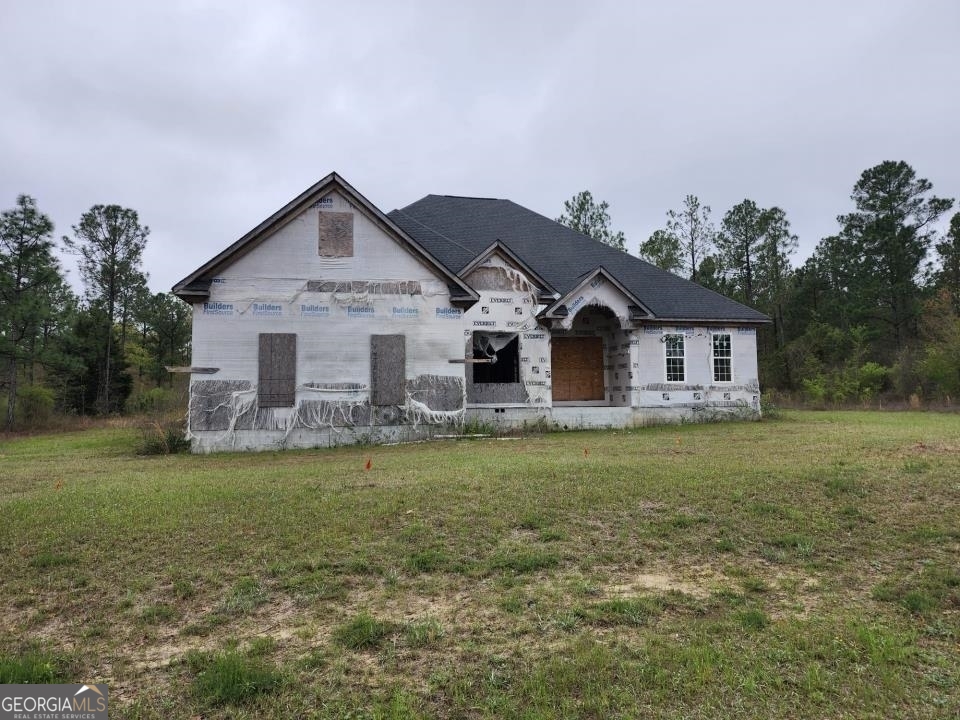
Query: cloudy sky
[{"x": 207, "y": 117}]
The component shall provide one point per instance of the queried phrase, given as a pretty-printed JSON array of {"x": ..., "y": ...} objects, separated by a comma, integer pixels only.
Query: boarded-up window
[
  {"x": 336, "y": 234},
  {"x": 388, "y": 369},
  {"x": 577, "y": 364},
  {"x": 277, "y": 383}
]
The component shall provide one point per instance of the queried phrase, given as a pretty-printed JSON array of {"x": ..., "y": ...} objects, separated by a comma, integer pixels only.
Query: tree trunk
[
  {"x": 32, "y": 360},
  {"x": 111, "y": 309},
  {"x": 106, "y": 370},
  {"x": 12, "y": 392}
]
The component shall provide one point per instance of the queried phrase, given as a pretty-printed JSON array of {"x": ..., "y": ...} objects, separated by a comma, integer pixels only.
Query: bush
[
  {"x": 769, "y": 410},
  {"x": 154, "y": 401},
  {"x": 815, "y": 389},
  {"x": 872, "y": 378},
  {"x": 939, "y": 372},
  {"x": 167, "y": 438},
  {"x": 34, "y": 407},
  {"x": 846, "y": 384}
]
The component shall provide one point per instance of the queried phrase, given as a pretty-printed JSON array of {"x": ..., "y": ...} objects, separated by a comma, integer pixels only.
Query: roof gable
[
  {"x": 507, "y": 256},
  {"x": 566, "y": 307},
  {"x": 195, "y": 287}
]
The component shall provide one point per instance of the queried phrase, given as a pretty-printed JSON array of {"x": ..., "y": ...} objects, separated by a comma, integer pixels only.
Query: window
[
  {"x": 722, "y": 359},
  {"x": 500, "y": 356},
  {"x": 676, "y": 365}
]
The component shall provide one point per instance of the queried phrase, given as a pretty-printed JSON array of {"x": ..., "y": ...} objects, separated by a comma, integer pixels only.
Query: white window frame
[
  {"x": 666, "y": 356},
  {"x": 714, "y": 357}
]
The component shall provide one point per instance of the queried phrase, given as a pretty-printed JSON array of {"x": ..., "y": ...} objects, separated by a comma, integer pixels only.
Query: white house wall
[
  {"x": 334, "y": 306},
  {"x": 508, "y": 304},
  {"x": 698, "y": 393},
  {"x": 292, "y": 252}
]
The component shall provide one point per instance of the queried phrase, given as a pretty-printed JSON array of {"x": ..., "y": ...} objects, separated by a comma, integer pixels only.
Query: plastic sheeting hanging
[{"x": 489, "y": 344}]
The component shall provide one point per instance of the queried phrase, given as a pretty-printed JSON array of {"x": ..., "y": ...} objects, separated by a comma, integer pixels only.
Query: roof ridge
[
  {"x": 436, "y": 232},
  {"x": 474, "y": 197},
  {"x": 581, "y": 234}
]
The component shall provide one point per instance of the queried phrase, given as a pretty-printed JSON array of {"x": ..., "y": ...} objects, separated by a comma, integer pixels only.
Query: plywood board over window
[
  {"x": 277, "y": 382},
  {"x": 388, "y": 369},
  {"x": 577, "y": 364},
  {"x": 336, "y": 234}
]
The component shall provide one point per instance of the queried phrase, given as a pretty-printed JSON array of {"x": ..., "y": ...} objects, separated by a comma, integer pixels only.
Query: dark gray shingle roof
[{"x": 456, "y": 229}]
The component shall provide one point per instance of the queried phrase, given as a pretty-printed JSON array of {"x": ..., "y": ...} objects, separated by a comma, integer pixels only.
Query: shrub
[
  {"x": 815, "y": 389},
  {"x": 167, "y": 438},
  {"x": 154, "y": 401},
  {"x": 769, "y": 410},
  {"x": 34, "y": 407},
  {"x": 872, "y": 378}
]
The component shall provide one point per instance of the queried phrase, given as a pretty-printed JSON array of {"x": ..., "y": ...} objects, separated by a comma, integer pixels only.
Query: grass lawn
[{"x": 802, "y": 567}]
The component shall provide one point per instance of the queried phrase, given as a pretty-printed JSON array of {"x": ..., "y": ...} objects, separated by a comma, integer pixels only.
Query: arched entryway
[{"x": 580, "y": 357}]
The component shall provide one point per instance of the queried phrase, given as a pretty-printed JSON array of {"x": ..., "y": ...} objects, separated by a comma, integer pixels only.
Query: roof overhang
[
  {"x": 196, "y": 286},
  {"x": 708, "y": 322}
]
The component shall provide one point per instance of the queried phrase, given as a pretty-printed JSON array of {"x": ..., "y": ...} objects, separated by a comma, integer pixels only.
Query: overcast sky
[{"x": 207, "y": 117}]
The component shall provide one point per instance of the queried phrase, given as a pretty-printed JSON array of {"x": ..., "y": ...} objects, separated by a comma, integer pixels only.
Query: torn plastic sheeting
[
  {"x": 319, "y": 414},
  {"x": 334, "y": 387},
  {"x": 491, "y": 343},
  {"x": 500, "y": 278},
  {"x": 418, "y": 413},
  {"x": 214, "y": 404},
  {"x": 445, "y": 393},
  {"x": 375, "y": 287},
  {"x": 605, "y": 296}
]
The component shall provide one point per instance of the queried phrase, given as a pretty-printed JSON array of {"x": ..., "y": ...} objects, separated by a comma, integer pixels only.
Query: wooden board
[
  {"x": 388, "y": 369},
  {"x": 577, "y": 368},
  {"x": 336, "y": 234},
  {"x": 277, "y": 382}
]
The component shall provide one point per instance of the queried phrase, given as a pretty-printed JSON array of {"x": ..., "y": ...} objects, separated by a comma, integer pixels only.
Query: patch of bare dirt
[{"x": 696, "y": 580}]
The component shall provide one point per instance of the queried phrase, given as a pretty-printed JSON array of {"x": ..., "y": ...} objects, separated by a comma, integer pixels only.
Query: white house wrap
[{"x": 333, "y": 323}]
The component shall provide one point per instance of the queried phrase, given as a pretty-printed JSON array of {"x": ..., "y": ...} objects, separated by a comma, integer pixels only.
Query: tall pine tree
[
  {"x": 29, "y": 274},
  {"x": 110, "y": 242}
]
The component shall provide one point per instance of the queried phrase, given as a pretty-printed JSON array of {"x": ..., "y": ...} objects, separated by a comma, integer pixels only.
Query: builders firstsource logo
[
  {"x": 53, "y": 702},
  {"x": 217, "y": 308}
]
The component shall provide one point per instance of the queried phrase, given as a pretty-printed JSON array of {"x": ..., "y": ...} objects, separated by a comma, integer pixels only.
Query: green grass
[
  {"x": 806, "y": 567},
  {"x": 229, "y": 678},
  {"x": 363, "y": 632},
  {"x": 32, "y": 666}
]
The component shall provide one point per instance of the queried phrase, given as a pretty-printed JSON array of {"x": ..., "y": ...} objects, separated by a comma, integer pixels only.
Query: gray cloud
[{"x": 208, "y": 117}]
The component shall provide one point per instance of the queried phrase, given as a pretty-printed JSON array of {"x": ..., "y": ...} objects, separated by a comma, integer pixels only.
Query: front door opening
[{"x": 577, "y": 366}]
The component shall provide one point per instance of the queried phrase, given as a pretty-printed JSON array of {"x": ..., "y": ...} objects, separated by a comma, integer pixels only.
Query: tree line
[
  {"x": 84, "y": 354},
  {"x": 875, "y": 310}
]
